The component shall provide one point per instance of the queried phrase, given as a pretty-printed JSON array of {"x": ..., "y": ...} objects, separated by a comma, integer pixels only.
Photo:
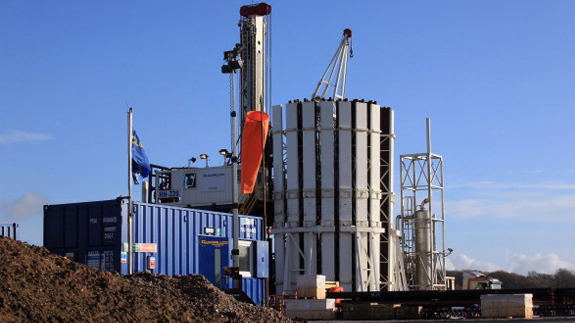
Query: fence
[{"x": 9, "y": 230}]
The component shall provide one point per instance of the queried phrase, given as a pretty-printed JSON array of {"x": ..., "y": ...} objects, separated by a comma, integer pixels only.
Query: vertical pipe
[
  {"x": 236, "y": 221},
  {"x": 264, "y": 189},
  {"x": 429, "y": 196},
  {"x": 392, "y": 259},
  {"x": 442, "y": 223},
  {"x": 279, "y": 196},
  {"x": 130, "y": 215}
]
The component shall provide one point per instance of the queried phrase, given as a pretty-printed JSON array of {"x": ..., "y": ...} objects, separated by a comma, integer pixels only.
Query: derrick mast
[{"x": 256, "y": 55}]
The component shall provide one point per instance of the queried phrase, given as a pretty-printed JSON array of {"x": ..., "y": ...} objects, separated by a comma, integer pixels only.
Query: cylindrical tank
[
  {"x": 330, "y": 193},
  {"x": 423, "y": 249}
]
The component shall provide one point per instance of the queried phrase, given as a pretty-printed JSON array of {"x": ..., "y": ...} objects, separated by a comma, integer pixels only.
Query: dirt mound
[{"x": 37, "y": 286}]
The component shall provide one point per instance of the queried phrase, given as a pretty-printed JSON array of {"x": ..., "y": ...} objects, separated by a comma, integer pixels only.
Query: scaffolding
[{"x": 423, "y": 229}]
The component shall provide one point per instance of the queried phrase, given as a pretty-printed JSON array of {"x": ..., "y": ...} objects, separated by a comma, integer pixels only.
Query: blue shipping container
[{"x": 177, "y": 241}]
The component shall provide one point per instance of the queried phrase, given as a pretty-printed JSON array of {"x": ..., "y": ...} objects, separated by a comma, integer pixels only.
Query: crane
[{"x": 339, "y": 62}]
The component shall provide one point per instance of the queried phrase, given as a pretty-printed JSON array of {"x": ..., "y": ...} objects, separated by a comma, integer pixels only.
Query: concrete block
[{"x": 309, "y": 304}]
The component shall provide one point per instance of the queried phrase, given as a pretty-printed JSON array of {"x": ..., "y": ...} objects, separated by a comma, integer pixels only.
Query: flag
[{"x": 140, "y": 163}]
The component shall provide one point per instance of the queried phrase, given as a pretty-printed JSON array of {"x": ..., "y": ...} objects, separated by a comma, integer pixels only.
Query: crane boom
[{"x": 339, "y": 63}]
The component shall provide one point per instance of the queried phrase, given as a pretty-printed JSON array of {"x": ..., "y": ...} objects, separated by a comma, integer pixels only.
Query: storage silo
[{"x": 333, "y": 197}]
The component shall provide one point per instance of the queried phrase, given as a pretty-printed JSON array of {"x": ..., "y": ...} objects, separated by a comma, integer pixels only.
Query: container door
[
  {"x": 262, "y": 256},
  {"x": 213, "y": 257}
]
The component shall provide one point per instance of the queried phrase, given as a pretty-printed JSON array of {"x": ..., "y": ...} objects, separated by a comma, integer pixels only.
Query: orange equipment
[
  {"x": 338, "y": 300},
  {"x": 253, "y": 143}
]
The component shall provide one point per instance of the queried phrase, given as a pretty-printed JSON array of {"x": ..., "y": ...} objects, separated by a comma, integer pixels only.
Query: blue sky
[{"x": 496, "y": 78}]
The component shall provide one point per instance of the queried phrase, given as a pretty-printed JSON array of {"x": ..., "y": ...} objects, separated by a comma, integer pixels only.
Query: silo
[
  {"x": 333, "y": 195},
  {"x": 423, "y": 268}
]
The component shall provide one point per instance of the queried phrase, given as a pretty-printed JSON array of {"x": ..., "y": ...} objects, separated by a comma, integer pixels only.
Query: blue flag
[{"x": 140, "y": 164}]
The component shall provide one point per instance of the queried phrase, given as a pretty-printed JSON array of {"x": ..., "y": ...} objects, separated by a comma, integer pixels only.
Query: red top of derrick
[
  {"x": 347, "y": 32},
  {"x": 259, "y": 9}
]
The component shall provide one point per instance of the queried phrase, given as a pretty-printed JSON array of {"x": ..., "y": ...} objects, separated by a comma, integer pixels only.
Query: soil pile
[{"x": 37, "y": 286}]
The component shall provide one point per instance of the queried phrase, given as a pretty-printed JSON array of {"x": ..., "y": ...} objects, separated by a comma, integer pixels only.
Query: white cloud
[
  {"x": 21, "y": 136},
  {"x": 463, "y": 262},
  {"x": 526, "y": 206},
  {"x": 517, "y": 263},
  {"x": 27, "y": 206},
  {"x": 466, "y": 208},
  {"x": 550, "y": 200},
  {"x": 547, "y": 264}
]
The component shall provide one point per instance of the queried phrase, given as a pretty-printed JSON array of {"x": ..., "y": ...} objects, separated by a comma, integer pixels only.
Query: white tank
[{"x": 332, "y": 192}]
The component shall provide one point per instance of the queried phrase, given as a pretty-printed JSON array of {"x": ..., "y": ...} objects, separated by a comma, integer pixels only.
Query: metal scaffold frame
[
  {"x": 423, "y": 230},
  {"x": 386, "y": 209},
  {"x": 386, "y": 140}
]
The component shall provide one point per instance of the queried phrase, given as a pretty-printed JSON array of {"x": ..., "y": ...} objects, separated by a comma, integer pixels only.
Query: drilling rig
[{"x": 211, "y": 188}]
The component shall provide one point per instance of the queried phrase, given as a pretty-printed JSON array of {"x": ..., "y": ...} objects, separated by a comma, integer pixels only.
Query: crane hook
[
  {"x": 347, "y": 33},
  {"x": 351, "y": 49}
]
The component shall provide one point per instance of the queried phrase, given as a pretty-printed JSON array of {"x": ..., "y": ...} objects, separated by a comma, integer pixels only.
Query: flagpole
[{"x": 130, "y": 208}]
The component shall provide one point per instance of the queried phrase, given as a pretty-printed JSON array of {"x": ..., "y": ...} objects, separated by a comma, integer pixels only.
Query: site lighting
[
  {"x": 205, "y": 156},
  {"x": 225, "y": 153}
]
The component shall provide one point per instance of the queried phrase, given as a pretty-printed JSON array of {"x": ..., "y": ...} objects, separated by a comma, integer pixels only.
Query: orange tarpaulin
[{"x": 253, "y": 143}]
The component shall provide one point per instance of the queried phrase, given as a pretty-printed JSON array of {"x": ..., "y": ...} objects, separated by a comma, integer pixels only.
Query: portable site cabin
[{"x": 167, "y": 240}]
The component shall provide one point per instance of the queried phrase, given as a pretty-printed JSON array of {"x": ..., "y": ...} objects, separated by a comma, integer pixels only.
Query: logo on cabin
[{"x": 214, "y": 243}]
